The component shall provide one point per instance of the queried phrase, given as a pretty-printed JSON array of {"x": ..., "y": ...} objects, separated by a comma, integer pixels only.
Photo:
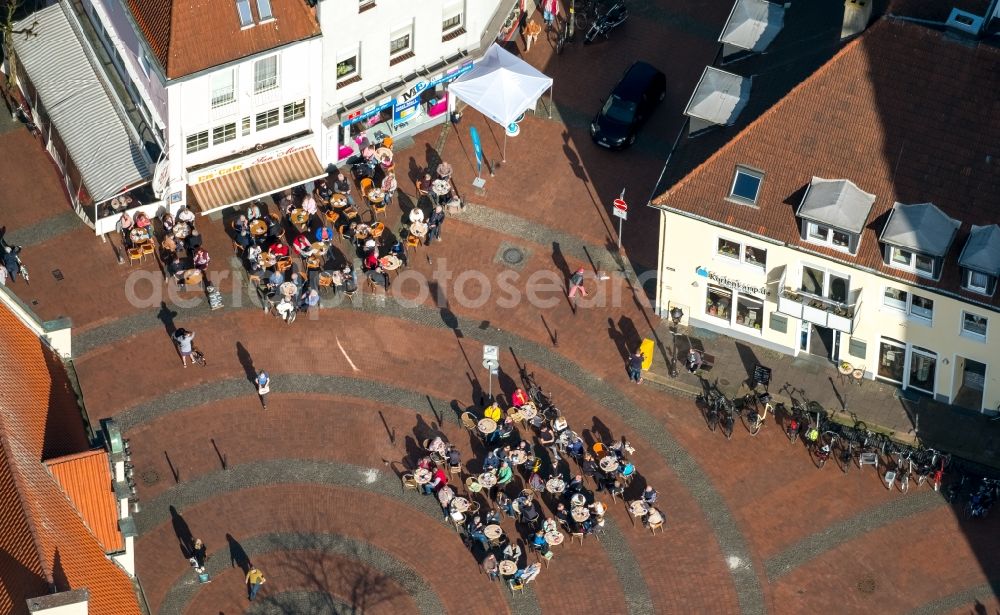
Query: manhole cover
[
  {"x": 513, "y": 256},
  {"x": 58, "y": 275},
  {"x": 867, "y": 585},
  {"x": 150, "y": 477}
]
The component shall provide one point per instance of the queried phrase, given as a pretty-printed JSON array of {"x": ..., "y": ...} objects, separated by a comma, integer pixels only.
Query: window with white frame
[
  {"x": 909, "y": 303},
  {"x": 974, "y": 325},
  {"x": 451, "y": 19},
  {"x": 265, "y": 74},
  {"x": 223, "y": 88},
  {"x": 978, "y": 282},
  {"x": 738, "y": 251},
  {"x": 921, "y": 264},
  {"x": 820, "y": 282},
  {"x": 221, "y": 134},
  {"x": 267, "y": 119},
  {"x": 245, "y": 127},
  {"x": 819, "y": 233},
  {"x": 746, "y": 185},
  {"x": 347, "y": 64},
  {"x": 294, "y": 111},
  {"x": 197, "y": 142},
  {"x": 401, "y": 41}
]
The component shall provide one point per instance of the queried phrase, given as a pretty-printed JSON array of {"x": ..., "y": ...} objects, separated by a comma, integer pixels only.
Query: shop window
[
  {"x": 197, "y": 142},
  {"x": 921, "y": 264},
  {"x": 749, "y": 312},
  {"x": 718, "y": 302},
  {"x": 974, "y": 326},
  {"x": 221, "y": 134},
  {"x": 294, "y": 111},
  {"x": 978, "y": 282},
  {"x": 891, "y": 360},
  {"x": 923, "y": 366},
  {"x": 746, "y": 185},
  {"x": 745, "y": 254},
  {"x": 265, "y": 74},
  {"x": 267, "y": 119},
  {"x": 223, "y": 88}
]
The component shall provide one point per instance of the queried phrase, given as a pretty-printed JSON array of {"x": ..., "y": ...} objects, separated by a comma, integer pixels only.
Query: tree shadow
[
  {"x": 238, "y": 557},
  {"x": 184, "y": 537}
]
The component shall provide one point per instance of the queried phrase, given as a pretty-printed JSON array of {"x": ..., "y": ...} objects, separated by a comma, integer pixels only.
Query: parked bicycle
[{"x": 757, "y": 405}]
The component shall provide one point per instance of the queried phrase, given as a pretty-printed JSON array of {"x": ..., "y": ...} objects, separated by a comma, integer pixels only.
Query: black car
[{"x": 629, "y": 106}]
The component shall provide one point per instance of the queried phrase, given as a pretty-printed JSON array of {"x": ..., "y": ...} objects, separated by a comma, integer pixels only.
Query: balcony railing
[{"x": 820, "y": 310}]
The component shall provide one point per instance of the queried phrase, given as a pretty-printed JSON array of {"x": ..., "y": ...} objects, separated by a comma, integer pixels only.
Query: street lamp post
[
  {"x": 572, "y": 19},
  {"x": 676, "y": 314}
]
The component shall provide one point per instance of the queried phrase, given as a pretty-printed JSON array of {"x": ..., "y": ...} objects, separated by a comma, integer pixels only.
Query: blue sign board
[
  {"x": 478, "y": 147},
  {"x": 407, "y": 102}
]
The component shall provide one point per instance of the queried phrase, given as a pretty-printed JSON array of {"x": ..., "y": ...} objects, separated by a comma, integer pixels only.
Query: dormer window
[
  {"x": 746, "y": 185},
  {"x": 980, "y": 260},
  {"x": 834, "y": 212},
  {"x": 917, "y": 237},
  {"x": 246, "y": 17}
]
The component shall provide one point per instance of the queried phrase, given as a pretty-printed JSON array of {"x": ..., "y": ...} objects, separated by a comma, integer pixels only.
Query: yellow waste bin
[{"x": 646, "y": 348}]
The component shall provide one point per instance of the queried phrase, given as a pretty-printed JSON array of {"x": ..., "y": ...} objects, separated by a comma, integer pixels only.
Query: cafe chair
[
  {"x": 377, "y": 229},
  {"x": 412, "y": 242},
  {"x": 472, "y": 485},
  {"x": 515, "y": 586},
  {"x": 378, "y": 209},
  {"x": 148, "y": 249},
  {"x": 409, "y": 482},
  {"x": 574, "y": 535},
  {"x": 656, "y": 526},
  {"x": 134, "y": 254},
  {"x": 332, "y": 217},
  {"x": 284, "y": 264},
  {"x": 600, "y": 451},
  {"x": 366, "y": 186},
  {"x": 387, "y": 142},
  {"x": 469, "y": 422},
  {"x": 617, "y": 492},
  {"x": 238, "y": 249},
  {"x": 455, "y": 469}
]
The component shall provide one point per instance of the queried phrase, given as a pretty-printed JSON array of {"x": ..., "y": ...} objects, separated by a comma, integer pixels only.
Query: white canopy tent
[{"x": 502, "y": 86}]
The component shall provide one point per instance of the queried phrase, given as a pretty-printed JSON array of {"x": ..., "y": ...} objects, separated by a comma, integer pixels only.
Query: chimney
[{"x": 857, "y": 14}]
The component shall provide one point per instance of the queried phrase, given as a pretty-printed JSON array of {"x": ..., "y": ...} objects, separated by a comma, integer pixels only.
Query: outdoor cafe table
[
  {"x": 578, "y": 500},
  {"x": 419, "y": 229},
  {"x": 338, "y": 200},
  {"x": 555, "y": 485},
  {"x": 638, "y": 508},
  {"x": 459, "y": 504},
  {"x": 390, "y": 262},
  {"x": 257, "y": 228},
  {"x": 487, "y": 479},
  {"x": 567, "y": 437},
  {"x": 529, "y": 411},
  {"x": 183, "y": 229},
  {"x": 487, "y": 426},
  {"x": 493, "y": 532},
  {"x": 319, "y": 247},
  {"x": 441, "y": 187},
  {"x": 139, "y": 235},
  {"x": 518, "y": 457},
  {"x": 507, "y": 568},
  {"x": 299, "y": 217},
  {"x": 375, "y": 195},
  {"x": 554, "y": 538},
  {"x": 266, "y": 259},
  {"x": 192, "y": 277},
  {"x": 422, "y": 476},
  {"x": 580, "y": 514},
  {"x": 609, "y": 464}
]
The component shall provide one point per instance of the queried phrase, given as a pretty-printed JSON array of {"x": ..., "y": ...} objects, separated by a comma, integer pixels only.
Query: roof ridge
[
  {"x": 20, "y": 491},
  {"x": 74, "y": 456},
  {"x": 784, "y": 100}
]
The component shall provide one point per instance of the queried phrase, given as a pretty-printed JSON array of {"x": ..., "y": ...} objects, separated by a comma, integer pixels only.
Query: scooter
[{"x": 614, "y": 17}]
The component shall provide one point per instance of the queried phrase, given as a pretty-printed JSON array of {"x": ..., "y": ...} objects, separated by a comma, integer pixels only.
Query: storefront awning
[{"x": 241, "y": 186}]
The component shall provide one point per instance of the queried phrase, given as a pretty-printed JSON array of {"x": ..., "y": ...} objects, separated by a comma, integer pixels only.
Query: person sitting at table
[
  {"x": 389, "y": 186},
  {"x": 425, "y": 463},
  {"x": 371, "y": 261},
  {"x": 167, "y": 222},
  {"x": 529, "y": 574},
  {"x": 649, "y": 495},
  {"x": 512, "y": 552},
  {"x": 444, "y": 171},
  {"x": 440, "y": 479},
  {"x": 503, "y": 452},
  {"x": 492, "y": 517},
  {"x": 243, "y": 238},
  {"x": 185, "y": 215},
  {"x": 309, "y": 205},
  {"x": 168, "y": 245},
  {"x": 342, "y": 186},
  {"x": 254, "y": 210},
  {"x": 454, "y": 457},
  {"x": 284, "y": 308},
  {"x": 491, "y": 567},
  {"x": 201, "y": 259},
  {"x": 492, "y": 461},
  {"x": 142, "y": 220},
  {"x": 575, "y": 486},
  {"x": 445, "y": 495},
  {"x": 125, "y": 224},
  {"x": 529, "y": 513},
  {"x": 653, "y": 517},
  {"x": 399, "y": 251},
  {"x": 278, "y": 249},
  {"x": 519, "y": 398},
  {"x": 503, "y": 430},
  {"x": 194, "y": 240},
  {"x": 575, "y": 448},
  {"x": 322, "y": 192},
  {"x": 253, "y": 253},
  {"x": 538, "y": 543},
  {"x": 350, "y": 280},
  {"x": 276, "y": 279},
  {"x": 241, "y": 223},
  {"x": 427, "y": 185},
  {"x": 176, "y": 268},
  {"x": 474, "y": 528},
  {"x": 598, "y": 509},
  {"x": 504, "y": 504},
  {"x": 273, "y": 230},
  {"x": 504, "y": 474},
  {"x": 536, "y": 482},
  {"x": 324, "y": 234},
  {"x": 550, "y": 525},
  {"x": 302, "y": 246},
  {"x": 309, "y": 298}
]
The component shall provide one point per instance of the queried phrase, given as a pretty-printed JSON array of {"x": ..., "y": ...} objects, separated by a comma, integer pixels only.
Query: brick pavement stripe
[
  {"x": 731, "y": 540},
  {"x": 314, "y": 603},
  {"x": 45, "y": 230},
  {"x": 277, "y": 471},
  {"x": 850, "y": 529},
  {"x": 426, "y": 600},
  {"x": 958, "y": 600}
]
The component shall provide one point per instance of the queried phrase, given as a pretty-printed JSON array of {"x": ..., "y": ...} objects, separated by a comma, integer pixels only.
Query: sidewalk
[{"x": 903, "y": 415}]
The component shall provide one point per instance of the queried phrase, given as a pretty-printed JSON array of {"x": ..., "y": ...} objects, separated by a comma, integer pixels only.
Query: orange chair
[
  {"x": 284, "y": 264},
  {"x": 412, "y": 243},
  {"x": 377, "y": 229},
  {"x": 366, "y": 186},
  {"x": 134, "y": 254},
  {"x": 599, "y": 450},
  {"x": 148, "y": 249}
]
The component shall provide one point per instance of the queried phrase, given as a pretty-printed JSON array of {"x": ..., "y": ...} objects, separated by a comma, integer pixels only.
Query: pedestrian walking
[
  {"x": 576, "y": 284},
  {"x": 183, "y": 338},
  {"x": 434, "y": 224},
  {"x": 198, "y": 556},
  {"x": 255, "y": 578},
  {"x": 263, "y": 387},
  {"x": 635, "y": 367},
  {"x": 531, "y": 32},
  {"x": 550, "y": 8}
]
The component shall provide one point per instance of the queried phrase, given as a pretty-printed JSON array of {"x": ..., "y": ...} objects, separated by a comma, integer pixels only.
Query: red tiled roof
[
  {"x": 905, "y": 112},
  {"x": 86, "y": 479},
  {"x": 43, "y": 539},
  {"x": 188, "y": 36}
]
